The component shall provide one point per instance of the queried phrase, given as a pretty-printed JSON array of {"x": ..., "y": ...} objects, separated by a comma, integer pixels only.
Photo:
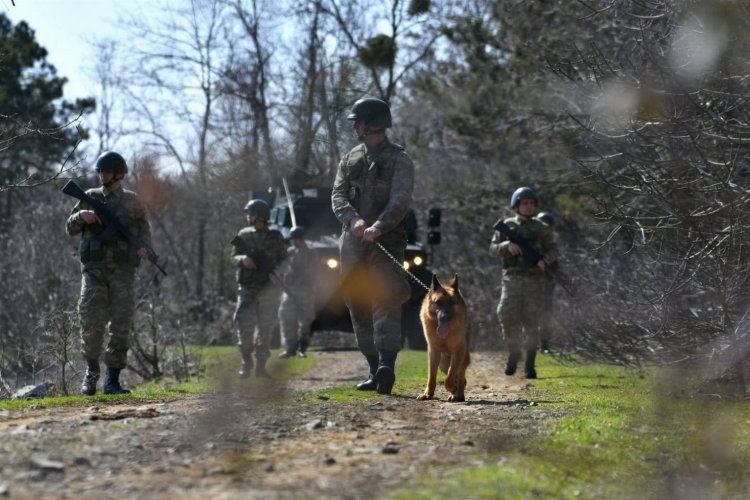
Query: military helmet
[
  {"x": 109, "y": 160},
  {"x": 297, "y": 232},
  {"x": 547, "y": 218},
  {"x": 375, "y": 113},
  {"x": 521, "y": 193},
  {"x": 259, "y": 208}
]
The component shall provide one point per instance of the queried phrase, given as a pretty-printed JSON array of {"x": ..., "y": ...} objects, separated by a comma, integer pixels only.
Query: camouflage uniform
[
  {"x": 108, "y": 266},
  {"x": 522, "y": 300},
  {"x": 377, "y": 187},
  {"x": 297, "y": 311},
  {"x": 257, "y": 295}
]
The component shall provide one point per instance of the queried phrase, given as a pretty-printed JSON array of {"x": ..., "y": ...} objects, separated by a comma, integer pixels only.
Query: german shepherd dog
[{"x": 445, "y": 320}]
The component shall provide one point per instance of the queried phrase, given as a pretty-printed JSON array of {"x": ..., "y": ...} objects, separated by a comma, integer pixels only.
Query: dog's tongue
[{"x": 442, "y": 330}]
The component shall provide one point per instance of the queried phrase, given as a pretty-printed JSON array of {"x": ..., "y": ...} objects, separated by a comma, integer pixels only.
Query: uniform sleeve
[
  {"x": 499, "y": 245},
  {"x": 402, "y": 187},
  {"x": 286, "y": 265},
  {"x": 342, "y": 208},
  {"x": 549, "y": 246},
  {"x": 143, "y": 227},
  {"x": 74, "y": 225},
  {"x": 282, "y": 254},
  {"x": 237, "y": 257}
]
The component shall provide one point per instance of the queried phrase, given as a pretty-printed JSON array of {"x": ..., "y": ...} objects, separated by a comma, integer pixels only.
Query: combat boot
[
  {"x": 112, "y": 382},
  {"x": 386, "y": 374},
  {"x": 370, "y": 384},
  {"x": 246, "y": 367},
  {"x": 514, "y": 355},
  {"x": 544, "y": 346},
  {"x": 529, "y": 371},
  {"x": 260, "y": 369},
  {"x": 91, "y": 377},
  {"x": 302, "y": 349},
  {"x": 287, "y": 354}
]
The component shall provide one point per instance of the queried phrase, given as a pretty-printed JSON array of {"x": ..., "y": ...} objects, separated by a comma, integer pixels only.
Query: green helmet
[
  {"x": 521, "y": 193},
  {"x": 375, "y": 113},
  {"x": 259, "y": 208},
  {"x": 297, "y": 232},
  {"x": 109, "y": 160},
  {"x": 547, "y": 218}
]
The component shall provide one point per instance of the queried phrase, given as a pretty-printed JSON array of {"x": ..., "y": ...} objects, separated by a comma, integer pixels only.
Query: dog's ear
[
  {"x": 435, "y": 283},
  {"x": 454, "y": 282}
]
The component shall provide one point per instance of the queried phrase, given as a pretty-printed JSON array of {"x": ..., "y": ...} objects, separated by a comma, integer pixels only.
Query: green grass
[
  {"x": 611, "y": 435},
  {"x": 606, "y": 432},
  {"x": 410, "y": 380},
  {"x": 218, "y": 369}
]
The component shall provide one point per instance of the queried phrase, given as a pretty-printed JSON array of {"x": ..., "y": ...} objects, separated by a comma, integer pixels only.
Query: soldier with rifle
[
  {"x": 115, "y": 237},
  {"x": 256, "y": 252},
  {"x": 527, "y": 247}
]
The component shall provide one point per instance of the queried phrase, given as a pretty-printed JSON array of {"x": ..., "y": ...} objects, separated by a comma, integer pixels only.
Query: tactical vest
[
  {"x": 267, "y": 245},
  {"x": 370, "y": 180},
  {"x": 103, "y": 246}
]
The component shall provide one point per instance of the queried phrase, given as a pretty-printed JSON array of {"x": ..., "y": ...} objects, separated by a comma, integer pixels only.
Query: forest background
[{"x": 630, "y": 119}]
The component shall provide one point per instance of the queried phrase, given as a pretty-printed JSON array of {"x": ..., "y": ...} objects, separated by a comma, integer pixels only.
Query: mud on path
[{"x": 270, "y": 441}]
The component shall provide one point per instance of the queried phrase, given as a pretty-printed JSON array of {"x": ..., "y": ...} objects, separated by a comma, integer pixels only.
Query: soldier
[
  {"x": 297, "y": 309},
  {"x": 548, "y": 292},
  {"x": 108, "y": 264},
  {"x": 521, "y": 302},
  {"x": 258, "y": 291},
  {"x": 371, "y": 196}
]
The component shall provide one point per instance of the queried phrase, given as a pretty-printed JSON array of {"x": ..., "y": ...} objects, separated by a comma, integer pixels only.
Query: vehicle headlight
[
  {"x": 418, "y": 260},
  {"x": 406, "y": 264},
  {"x": 332, "y": 263}
]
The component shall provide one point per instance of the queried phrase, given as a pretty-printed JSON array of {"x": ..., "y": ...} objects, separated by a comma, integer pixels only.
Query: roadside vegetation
[
  {"x": 616, "y": 433},
  {"x": 603, "y": 431}
]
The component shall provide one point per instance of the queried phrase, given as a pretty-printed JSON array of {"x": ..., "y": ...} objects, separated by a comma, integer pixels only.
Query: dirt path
[{"x": 268, "y": 442}]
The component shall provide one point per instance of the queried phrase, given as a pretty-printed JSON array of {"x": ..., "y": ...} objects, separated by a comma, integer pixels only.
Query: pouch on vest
[
  {"x": 95, "y": 250},
  {"x": 121, "y": 251}
]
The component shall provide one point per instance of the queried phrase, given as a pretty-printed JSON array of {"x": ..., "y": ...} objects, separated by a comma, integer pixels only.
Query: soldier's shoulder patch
[{"x": 354, "y": 156}]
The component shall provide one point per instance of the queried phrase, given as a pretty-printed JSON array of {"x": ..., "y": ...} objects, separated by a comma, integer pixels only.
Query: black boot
[
  {"x": 289, "y": 353},
  {"x": 302, "y": 348},
  {"x": 529, "y": 371},
  {"x": 386, "y": 374},
  {"x": 112, "y": 382},
  {"x": 260, "y": 369},
  {"x": 246, "y": 367},
  {"x": 514, "y": 355},
  {"x": 88, "y": 388},
  {"x": 370, "y": 384},
  {"x": 544, "y": 346}
]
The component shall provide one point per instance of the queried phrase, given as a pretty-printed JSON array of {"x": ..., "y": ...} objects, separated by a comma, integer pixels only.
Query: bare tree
[
  {"x": 664, "y": 141},
  {"x": 247, "y": 78},
  {"x": 178, "y": 57},
  {"x": 388, "y": 57}
]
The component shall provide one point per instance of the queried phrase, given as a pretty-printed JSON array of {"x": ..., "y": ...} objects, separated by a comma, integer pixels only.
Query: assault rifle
[
  {"x": 112, "y": 224},
  {"x": 530, "y": 255},
  {"x": 263, "y": 266}
]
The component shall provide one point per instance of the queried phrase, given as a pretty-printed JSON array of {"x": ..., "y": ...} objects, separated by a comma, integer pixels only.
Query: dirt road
[{"x": 270, "y": 442}]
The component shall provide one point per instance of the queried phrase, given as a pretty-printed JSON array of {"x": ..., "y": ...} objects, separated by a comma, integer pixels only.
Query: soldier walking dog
[{"x": 371, "y": 197}]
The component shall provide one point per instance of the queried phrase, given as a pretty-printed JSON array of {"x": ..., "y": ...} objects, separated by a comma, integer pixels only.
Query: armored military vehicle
[{"x": 312, "y": 210}]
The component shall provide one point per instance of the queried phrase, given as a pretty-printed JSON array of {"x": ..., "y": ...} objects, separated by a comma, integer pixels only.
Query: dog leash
[{"x": 401, "y": 266}]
